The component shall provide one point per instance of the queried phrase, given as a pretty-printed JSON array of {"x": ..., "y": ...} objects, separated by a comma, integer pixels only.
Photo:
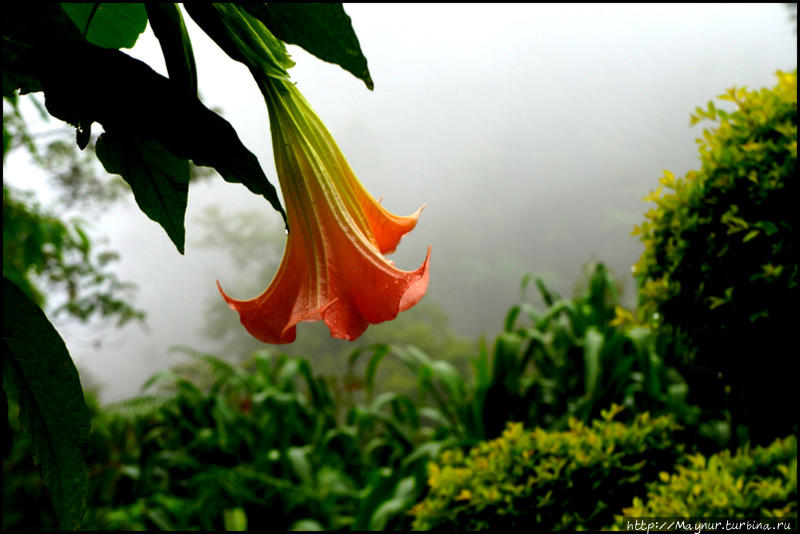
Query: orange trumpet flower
[{"x": 333, "y": 268}]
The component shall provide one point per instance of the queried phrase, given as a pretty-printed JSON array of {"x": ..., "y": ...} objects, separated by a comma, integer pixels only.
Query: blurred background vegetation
[{"x": 581, "y": 410}]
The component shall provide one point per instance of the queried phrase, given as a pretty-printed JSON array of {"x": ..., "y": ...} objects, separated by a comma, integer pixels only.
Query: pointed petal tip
[
  {"x": 417, "y": 289},
  {"x": 415, "y": 216},
  {"x": 224, "y": 296},
  {"x": 389, "y": 245}
]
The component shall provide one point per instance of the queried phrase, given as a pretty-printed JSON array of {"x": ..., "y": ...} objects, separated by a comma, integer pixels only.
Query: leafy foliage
[
  {"x": 75, "y": 177},
  {"x": 546, "y": 479},
  {"x": 47, "y": 253},
  {"x": 159, "y": 180},
  {"x": 322, "y": 29},
  {"x": 15, "y": 128},
  {"x": 84, "y": 83},
  {"x": 239, "y": 442},
  {"x": 44, "y": 255},
  {"x": 260, "y": 443},
  {"x": 184, "y": 455},
  {"x": 72, "y": 173},
  {"x": 40, "y": 377},
  {"x": 108, "y": 24},
  {"x": 42, "y": 252},
  {"x": 720, "y": 262},
  {"x": 26, "y": 501},
  {"x": 168, "y": 26},
  {"x": 269, "y": 444},
  {"x": 68, "y": 50},
  {"x": 757, "y": 482},
  {"x": 583, "y": 355},
  {"x": 567, "y": 362}
]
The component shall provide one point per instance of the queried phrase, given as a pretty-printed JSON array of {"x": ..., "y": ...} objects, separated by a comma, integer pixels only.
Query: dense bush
[
  {"x": 214, "y": 446},
  {"x": 758, "y": 482},
  {"x": 230, "y": 443},
  {"x": 547, "y": 479},
  {"x": 569, "y": 359},
  {"x": 579, "y": 355},
  {"x": 720, "y": 261}
]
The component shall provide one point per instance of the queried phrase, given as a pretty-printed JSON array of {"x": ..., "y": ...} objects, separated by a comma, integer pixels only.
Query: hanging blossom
[{"x": 333, "y": 268}]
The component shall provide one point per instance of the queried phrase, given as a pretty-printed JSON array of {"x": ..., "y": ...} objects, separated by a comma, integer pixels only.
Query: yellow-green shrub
[
  {"x": 720, "y": 262},
  {"x": 760, "y": 482},
  {"x": 567, "y": 479}
]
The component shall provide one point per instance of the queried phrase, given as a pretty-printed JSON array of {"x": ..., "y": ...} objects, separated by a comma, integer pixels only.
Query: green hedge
[
  {"x": 720, "y": 263},
  {"x": 759, "y": 482},
  {"x": 551, "y": 480}
]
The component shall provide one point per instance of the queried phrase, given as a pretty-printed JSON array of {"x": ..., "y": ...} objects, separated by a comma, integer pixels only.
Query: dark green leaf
[
  {"x": 159, "y": 180},
  {"x": 167, "y": 24},
  {"x": 39, "y": 374},
  {"x": 303, "y": 525},
  {"x": 235, "y": 520},
  {"x": 324, "y": 30},
  {"x": 13, "y": 81},
  {"x": 379, "y": 489},
  {"x": 25, "y": 24},
  {"x": 83, "y": 83},
  {"x": 593, "y": 344},
  {"x": 405, "y": 493},
  {"x": 547, "y": 296},
  {"x": 372, "y": 366},
  {"x": 107, "y": 24},
  {"x": 752, "y": 234},
  {"x": 511, "y": 318},
  {"x": 298, "y": 458},
  {"x": 769, "y": 227}
]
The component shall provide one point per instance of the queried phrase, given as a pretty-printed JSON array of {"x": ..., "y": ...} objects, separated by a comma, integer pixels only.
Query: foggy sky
[{"x": 531, "y": 132}]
